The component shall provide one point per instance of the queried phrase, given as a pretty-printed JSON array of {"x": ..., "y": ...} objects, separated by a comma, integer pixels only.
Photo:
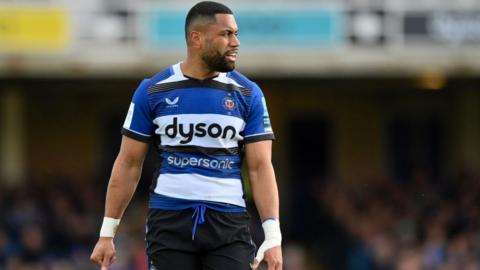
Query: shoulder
[
  {"x": 161, "y": 76},
  {"x": 243, "y": 81},
  {"x": 147, "y": 84}
]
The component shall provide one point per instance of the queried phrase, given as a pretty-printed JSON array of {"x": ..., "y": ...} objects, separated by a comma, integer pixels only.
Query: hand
[
  {"x": 104, "y": 252},
  {"x": 273, "y": 257}
]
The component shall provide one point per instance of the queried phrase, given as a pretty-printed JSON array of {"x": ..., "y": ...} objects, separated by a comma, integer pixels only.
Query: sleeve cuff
[
  {"x": 135, "y": 136},
  {"x": 258, "y": 138}
]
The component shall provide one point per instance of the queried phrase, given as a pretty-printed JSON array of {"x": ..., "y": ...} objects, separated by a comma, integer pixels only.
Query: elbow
[
  {"x": 260, "y": 165},
  {"x": 129, "y": 161}
]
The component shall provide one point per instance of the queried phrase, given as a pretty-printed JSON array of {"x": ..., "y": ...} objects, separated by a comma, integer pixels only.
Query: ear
[{"x": 196, "y": 39}]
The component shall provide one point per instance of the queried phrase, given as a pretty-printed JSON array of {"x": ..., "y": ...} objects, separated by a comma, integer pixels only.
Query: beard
[{"x": 217, "y": 62}]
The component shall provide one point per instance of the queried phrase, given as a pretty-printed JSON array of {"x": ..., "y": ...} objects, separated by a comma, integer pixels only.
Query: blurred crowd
[
  {"x": 409, "y": 225},
  {"x": 53, "y": 224},
  {"x": 418, "y": 224}
]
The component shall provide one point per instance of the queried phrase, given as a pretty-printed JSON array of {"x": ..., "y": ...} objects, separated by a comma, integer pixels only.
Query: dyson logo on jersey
[
  {"x": 188, "y": 131},
  {"x": 200, "y": 162}
]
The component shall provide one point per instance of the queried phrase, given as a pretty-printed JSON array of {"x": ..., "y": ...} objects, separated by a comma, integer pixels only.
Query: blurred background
[{"x": 375, "y": 105}]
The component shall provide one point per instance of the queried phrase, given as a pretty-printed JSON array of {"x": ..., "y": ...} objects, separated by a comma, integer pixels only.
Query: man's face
[{"x": 221, "y": 44}]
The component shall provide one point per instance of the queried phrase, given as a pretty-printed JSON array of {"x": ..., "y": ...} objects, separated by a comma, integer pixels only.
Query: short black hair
[{"x": 205, "y": 10}]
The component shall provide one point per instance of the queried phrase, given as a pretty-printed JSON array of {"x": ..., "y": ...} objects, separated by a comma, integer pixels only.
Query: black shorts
[{"x": 222, "y": 242}]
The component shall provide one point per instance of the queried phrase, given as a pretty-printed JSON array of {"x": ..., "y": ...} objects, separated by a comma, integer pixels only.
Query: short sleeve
[
  {"x": 258, "y": 127},
  {"x": 138, "y": 123}
]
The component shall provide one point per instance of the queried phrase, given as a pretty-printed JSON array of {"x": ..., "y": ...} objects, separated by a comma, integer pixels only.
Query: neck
[{"x": 197, "y": 69}]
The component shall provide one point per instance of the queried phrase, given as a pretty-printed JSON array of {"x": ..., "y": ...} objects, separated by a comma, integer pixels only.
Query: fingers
[
  {"x": 105, "y": 261},
  {"x": 273, "y": 257},
  {"x": 108, "y": 259},
  {"x": 104, "y": 253},
  {"x": 96, "y": 259},
  {"x": 268, "y": 247},
  {"x": 274, "y": 264}
]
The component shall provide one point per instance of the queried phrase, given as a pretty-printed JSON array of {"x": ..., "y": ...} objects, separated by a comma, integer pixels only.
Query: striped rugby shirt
[{"x": 199, "y": 128}]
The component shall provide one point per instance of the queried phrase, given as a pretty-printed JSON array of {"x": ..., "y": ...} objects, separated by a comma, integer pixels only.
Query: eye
[{"x": 228, "y": 33}]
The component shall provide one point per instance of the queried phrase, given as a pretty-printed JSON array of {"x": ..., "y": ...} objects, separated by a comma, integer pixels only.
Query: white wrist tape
[
  {"x": 109, "y": 227},
  {"x": 273, "y": 237}
]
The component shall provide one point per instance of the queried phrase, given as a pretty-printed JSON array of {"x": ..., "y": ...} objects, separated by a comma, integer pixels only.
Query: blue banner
[{"x": 273, "y": 29}]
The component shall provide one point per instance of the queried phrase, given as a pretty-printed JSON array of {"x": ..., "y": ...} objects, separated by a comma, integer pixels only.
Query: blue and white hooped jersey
[{"x": 199, "y": 128}]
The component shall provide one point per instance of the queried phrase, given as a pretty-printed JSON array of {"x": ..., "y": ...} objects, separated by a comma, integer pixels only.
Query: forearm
[
  {"x": 121, "y": 187},
  {"x": 265, "y": 194},
  {"x": 264, "y": 189}
]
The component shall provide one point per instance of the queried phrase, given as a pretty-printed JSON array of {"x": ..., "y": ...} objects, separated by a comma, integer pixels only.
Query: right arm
[
  {"x": 125, "y": 176},
  {"x": 121, "y": 187}
]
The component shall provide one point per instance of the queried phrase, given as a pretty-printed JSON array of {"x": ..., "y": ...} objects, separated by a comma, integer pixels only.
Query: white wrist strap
[
  {"x": 273, "y": 237},
  {"x": 109, "y": 227}
]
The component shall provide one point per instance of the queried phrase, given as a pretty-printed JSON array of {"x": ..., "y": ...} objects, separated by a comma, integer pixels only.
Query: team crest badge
[{"x": 228, "y": 103}]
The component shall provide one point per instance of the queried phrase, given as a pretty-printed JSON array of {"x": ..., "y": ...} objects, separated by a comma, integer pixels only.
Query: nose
[{"x": 234, "y": 41}]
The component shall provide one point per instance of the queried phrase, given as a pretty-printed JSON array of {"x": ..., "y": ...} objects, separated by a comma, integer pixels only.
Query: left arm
[
  {"x": 265, "y": 193},
  {"x": 262, "y": 178}
]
